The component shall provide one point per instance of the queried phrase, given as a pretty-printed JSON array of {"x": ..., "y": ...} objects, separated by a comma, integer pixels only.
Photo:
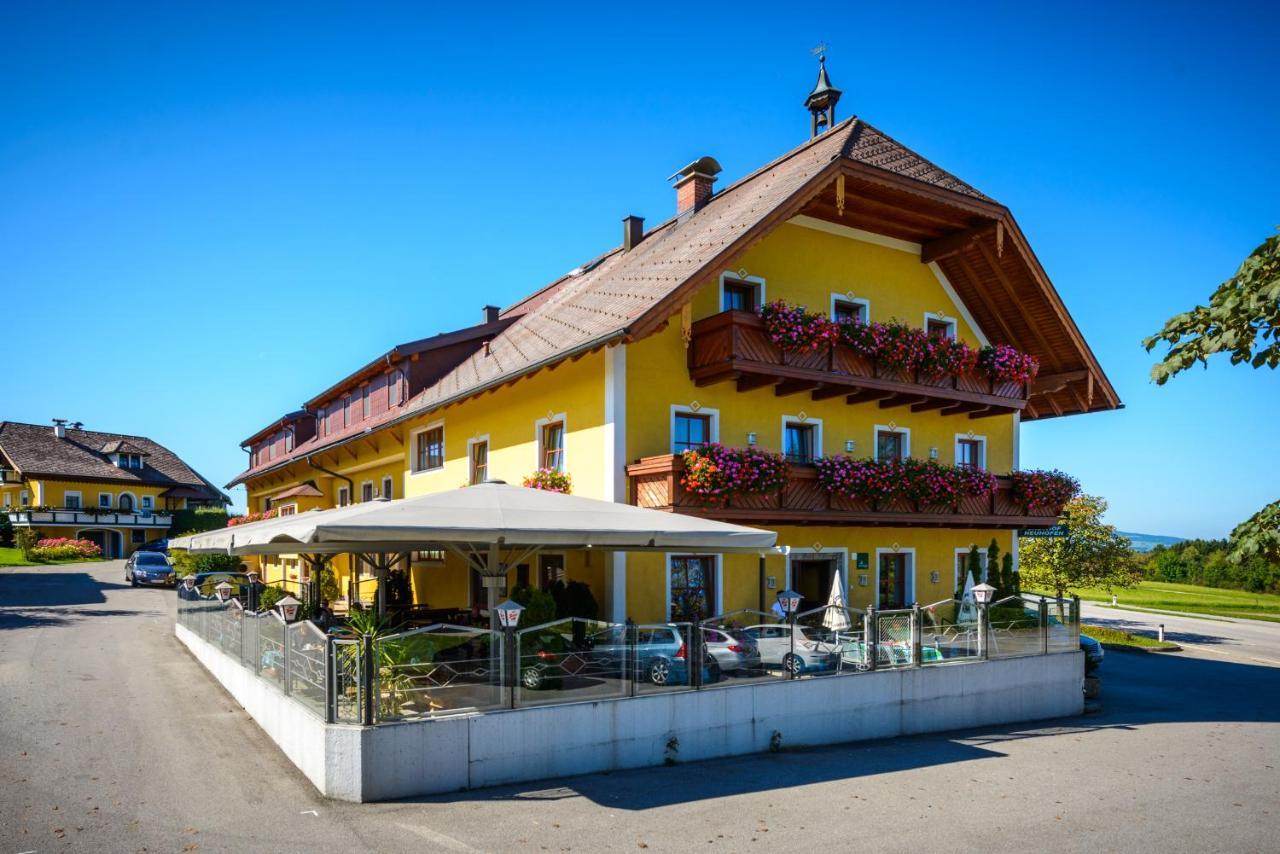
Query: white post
[{"x": 615, "y": 587}]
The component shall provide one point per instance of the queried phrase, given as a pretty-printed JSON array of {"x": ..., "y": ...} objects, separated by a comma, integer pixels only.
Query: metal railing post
[
  {"x": 630, "y": 661},
  {"x": 1044, "y": 626},
  {"x": 870, "y": 642},
  {"x": 791, "y": 668},
  {"x": 984, "y": 632},
  {"x": 330, "y": 682},
  {"x": 1075, "y": 612},
  {"x": 512, "y": 667},
  {"x": 285, "y": 636},
  {"x": 915, "y": 634},
  {"x": 366, "y": 679}
]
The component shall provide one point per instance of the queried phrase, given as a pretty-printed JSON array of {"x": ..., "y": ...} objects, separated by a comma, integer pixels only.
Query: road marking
[
  {"x": 310, "y": 812},
  {"x": 442, "y": 840}
]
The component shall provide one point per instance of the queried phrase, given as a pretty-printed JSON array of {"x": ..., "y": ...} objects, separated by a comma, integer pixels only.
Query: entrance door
[
  {"x": 126, "y": 503},
  {"x": 98, "y": 538},
  {"x": 812, "y": 580},
  {"x": 893, "y": 581}
]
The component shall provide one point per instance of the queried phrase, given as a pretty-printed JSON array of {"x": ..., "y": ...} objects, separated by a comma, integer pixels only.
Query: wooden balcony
[
  {"x": 89, "y": 518},
  {"x": 654, "y": 482},
  {"x": 733, "y": 345}
]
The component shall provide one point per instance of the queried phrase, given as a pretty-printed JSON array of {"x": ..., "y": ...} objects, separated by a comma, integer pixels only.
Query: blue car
[{"x": 660, "y": 655}]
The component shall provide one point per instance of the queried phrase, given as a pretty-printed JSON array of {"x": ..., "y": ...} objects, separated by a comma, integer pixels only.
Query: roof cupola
[{"x": 821, "y": 102}]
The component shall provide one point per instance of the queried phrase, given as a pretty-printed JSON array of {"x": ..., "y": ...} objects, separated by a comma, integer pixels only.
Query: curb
[{"x": 1143, "y": 650}]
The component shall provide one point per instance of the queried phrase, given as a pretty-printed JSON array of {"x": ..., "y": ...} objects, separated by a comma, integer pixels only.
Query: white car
[{"x": 811, "y": 651}]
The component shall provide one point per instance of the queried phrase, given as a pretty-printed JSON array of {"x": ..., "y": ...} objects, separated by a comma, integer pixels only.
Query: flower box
[
  {"x": 845, "y": 360},
  {"x": 896, "y": 505},
  {"x": 814, "y": 360},
  {"x": 851, "y": 504}
]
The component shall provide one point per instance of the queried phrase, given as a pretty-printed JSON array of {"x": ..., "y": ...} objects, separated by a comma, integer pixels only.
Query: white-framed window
[
  {"x": 693, "y": 428},
  {"x": 366, "y": 491},
  {"x": 344, "y": 496},
  {"x": 8, "y": 500},
  {"x": 741, "y": 293},
  {"x": 801, "y": 438},
  {"x": 148, "y": 503},
  {"x": 387, "y": 484},
  {"x": 939, "y": 324},
  {"x": 426, "y": 447},
  {"x": 72, "y": 499},
  {"x": 287, "y": 510},
  {"x": 127, "y": 502},
  {"x": 24, "y": 498},
  {"x": 846, "y": 308},
  {"x": 137, "y": 536},
  {"x": 892, "y": 443},
  {"x": 962, "y": 566},
  {"x": 478, "y": 459},
  {"x": 105, "y": 499},
  {"x": 895, "y": 577},
  {"x": 971, "y": 451},
  {"x": 549, "y": 436}
]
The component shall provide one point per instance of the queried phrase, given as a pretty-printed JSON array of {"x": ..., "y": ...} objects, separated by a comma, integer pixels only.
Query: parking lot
[{"x": 116, "y": 740}]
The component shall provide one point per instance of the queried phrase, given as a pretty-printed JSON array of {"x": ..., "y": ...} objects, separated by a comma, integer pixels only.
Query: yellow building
[
  {"x": 658, "y": 347},
  {"x": 118, "y": 491}
]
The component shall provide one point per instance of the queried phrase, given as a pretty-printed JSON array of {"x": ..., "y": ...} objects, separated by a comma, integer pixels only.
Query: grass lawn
[
  {"x": 13, "y": 557},
  {"x": 1159, "y": 596},
  {"x": 1118, "y": 638}
]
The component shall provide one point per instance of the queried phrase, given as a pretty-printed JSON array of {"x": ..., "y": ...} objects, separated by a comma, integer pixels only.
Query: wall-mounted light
[
  {"x": 752, "y": 438},
  {"x": 935, "y": 576},
  {"x": 933, "y": 453},
  {"x": 848, "y": 446}
]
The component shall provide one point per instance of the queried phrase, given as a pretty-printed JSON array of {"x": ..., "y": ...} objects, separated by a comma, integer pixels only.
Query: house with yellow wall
[
  {"x": 630, "y": 366},
  {"x": 116, "y": 490}
]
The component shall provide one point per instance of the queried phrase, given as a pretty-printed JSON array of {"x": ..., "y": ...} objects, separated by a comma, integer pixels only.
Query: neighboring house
[
  {"x": 118, "y": 491},
  {"x": 652, "y": 348}
]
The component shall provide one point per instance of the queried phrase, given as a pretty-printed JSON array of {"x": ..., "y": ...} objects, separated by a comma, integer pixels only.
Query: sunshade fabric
[{"x": 483, "y": 514}]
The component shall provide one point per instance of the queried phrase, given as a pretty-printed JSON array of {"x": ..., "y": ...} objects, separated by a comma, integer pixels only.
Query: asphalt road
[
  {"x": 112, "y": 738},
  {"x": 1228, "y": 638}
]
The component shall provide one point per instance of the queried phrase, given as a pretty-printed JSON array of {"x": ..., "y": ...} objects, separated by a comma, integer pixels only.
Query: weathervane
[{"x": 820, "y": 51}]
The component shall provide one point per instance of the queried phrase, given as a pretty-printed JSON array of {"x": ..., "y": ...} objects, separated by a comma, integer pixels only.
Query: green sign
[
  {"x": 864, "y": 560},
  {"x": 1052, "y": 532}
]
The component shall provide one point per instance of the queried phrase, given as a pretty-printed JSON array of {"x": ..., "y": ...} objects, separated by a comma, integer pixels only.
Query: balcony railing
[
  {"x": 733, "y": 345},
  {"x": 655, "y": 483},
  {"x": 90, "y": 518}
]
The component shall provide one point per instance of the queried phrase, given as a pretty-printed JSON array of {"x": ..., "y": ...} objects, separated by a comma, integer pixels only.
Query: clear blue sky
[{"x": 209, "y": 214}]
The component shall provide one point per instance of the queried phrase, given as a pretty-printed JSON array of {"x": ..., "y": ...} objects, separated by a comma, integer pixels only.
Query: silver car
[
  {"x": 733, "y": 649},
  {"x": 149, "y": 568}
]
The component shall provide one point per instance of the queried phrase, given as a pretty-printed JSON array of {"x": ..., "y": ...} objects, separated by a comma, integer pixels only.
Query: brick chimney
[{"x": 693, "y": 184}]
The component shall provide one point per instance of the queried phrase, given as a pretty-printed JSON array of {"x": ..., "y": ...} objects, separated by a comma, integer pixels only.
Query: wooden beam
[
  {"x": 1047, "y": 352},
  {"x": 826, "y": 392},
  {"x": 1056, "y": 382},
  {"x": 901, "y": 400},
  {"x": 975, "y": 282},
  {"x": 866, "y": 395},
  {"x": 787, "y": 387},
  {"x": 926, "y": 405},
  {"x": 986, "y": 412},
  {"x": 955, "y": 243},
  {"x": 747, "y": 382}
]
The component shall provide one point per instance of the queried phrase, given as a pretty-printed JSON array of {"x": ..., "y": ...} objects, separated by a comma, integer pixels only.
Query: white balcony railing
[{"x": 87, "y": 518}]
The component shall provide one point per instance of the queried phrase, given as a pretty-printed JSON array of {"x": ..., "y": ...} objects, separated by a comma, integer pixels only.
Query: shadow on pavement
[
  {"x": 52, "y": 589},
  {"x": 20, "y": 618},
  {"x": 1137, "y": 627},
  {"x": 1138, "y": 690}
]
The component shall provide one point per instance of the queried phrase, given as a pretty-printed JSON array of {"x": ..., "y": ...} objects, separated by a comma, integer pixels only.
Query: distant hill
[{"x": 1147, "y": 542}]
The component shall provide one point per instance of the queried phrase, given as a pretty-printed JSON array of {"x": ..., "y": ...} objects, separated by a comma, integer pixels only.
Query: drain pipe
[{"x": 351, "y": 484}]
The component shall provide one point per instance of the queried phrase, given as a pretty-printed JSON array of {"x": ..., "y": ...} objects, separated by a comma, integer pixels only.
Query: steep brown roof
[
  {"x": 123, "y": 446},
  {"x": 35, "y": 451},
  {"x": 622, "y": 294}
]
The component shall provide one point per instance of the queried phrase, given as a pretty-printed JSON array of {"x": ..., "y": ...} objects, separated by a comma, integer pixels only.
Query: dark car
[
  {"x": 149, "y": 568},
  {"x": 659, "y": 655},
  {"x": 207, "y": 583},
  {"x": 545, "y": 660},
  {"x": 161, "y": 546}
]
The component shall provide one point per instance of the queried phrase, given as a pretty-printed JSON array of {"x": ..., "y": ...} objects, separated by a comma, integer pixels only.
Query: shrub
[
  {"x": 6, "y": 531},
  {"x": 717, "y": 473},
  {"x": 549, "y": 480},
  {"x": 61, "y": 548},
  {"x": 198, "y": 519},
  {"x": 539, "y": 605},
  {"x": 26, "y": 540},
  {"x": 269, "y": 596},
  {"x": 185, "y": 563}
]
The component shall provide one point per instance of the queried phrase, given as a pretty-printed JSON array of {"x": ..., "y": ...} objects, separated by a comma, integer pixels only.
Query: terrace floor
[{"x": 116, "y": 739}]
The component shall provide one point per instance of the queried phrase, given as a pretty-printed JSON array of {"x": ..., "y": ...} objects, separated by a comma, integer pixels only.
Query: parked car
[
  {"x": 149, "y": 568},
  {"x": 660, "y": 655},
  {"x": 733, "y": 649},
  {"x": 207, "y": 583},
  {"x": 1093, "y": 652},
  {"x": 811, "y": 651},
  {"x": 545, "y": 660},
  {"x": 161, "y": 546}
]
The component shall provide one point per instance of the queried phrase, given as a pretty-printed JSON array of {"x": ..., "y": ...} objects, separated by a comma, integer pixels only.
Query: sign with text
[{"x": 1051, "y": 532}]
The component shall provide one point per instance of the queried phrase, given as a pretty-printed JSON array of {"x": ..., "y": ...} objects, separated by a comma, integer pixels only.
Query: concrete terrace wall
[{"x": 471, "y": 751}]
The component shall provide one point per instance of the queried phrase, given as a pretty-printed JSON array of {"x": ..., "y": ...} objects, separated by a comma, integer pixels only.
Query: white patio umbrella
[
  {"x": 479, "y": 522},
  {"x": 968, "y": 604},
  {"x": 836, "y": 617}
]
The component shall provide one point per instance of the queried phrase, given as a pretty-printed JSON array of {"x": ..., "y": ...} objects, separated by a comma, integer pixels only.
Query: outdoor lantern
[
  {"x": 752, "y": 438},
  {"x": 982, "y": 593},
  {"x": 848, "y": 446},
  {"x": 789, "y": 601},
  {"x": 224, "y": 591},
  {"x": 189, "y": 582},
  {"x": 509, "y": 614},
  {"x": 288, "y": 608}
]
